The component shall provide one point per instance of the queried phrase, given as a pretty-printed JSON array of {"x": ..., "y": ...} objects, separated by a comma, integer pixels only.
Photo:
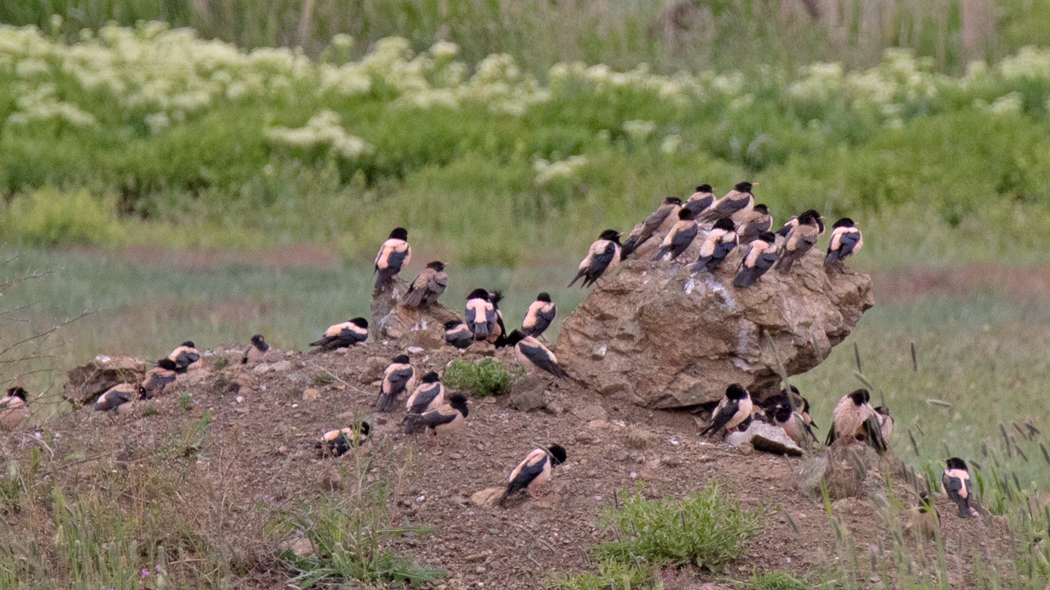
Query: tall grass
[{"x": 671, "y": 35}]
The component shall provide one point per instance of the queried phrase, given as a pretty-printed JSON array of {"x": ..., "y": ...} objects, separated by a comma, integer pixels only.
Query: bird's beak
[{"x": 754, "y": 184}]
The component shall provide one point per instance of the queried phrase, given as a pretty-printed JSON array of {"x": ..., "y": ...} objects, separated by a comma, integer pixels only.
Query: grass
[
  {"x": 483, "y": 378},
  {"x": 611, "y": 574},
  {"x": 777, "y": 581},
  {"x": 706, "y": 529}
]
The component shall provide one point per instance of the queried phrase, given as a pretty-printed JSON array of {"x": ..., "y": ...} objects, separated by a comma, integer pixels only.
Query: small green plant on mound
[
  {"x": 706, "y": 529},
  {"x": 611, "y": 574},
  {"x": 778, "y": 581},
  {"x": 483, "y": 378}
]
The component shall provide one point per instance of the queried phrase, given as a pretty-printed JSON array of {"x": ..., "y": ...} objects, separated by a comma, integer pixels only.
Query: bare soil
[{"x": 260, "y": 451}]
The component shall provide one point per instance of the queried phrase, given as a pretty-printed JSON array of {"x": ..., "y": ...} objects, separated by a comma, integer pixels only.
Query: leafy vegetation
[
  {"x": 706, "y": 529},
  {"x": 483, "y": 378},
  {"x": 611, "y": 575}
]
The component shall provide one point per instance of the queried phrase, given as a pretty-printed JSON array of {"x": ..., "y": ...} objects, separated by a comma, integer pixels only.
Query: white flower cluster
[
  {"x": 547, "y": 171},
  {"x": 322, "y": 130}
]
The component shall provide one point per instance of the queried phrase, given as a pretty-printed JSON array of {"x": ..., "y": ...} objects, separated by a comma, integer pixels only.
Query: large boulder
[
  {"x": 88, "y": 381},
  {"x": 421, "y": 326},
  {"x": 658, "y": 336}
]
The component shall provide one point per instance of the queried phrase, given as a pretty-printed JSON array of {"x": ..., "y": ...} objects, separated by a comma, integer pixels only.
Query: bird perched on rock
[
  {"x": 397, "y": 378},
  {"x": 533, "y": 472},
  {"x": 681, "y": 235},
  {"x": 458, "y": 334},
  {"x": 734, "y": 408},
  {"x": 796, "y": 401},
  {"x": 481, "y": 315},
  {"x": 800, "y": 239},
  {"x": 499, "y": 335},
  {"x": 534, "y": 355},
  {"x": 846, "y": 241},
  {"x": 539, "y": 316},
  {"x": 394, "y": 254},
  {"x": 14, "y": 408},
  {"x": 444, "y": 419},
  {"x": 428, "y": 286},
  {"x": 344, "y": 334},
  {"x": 853, "y": 419},
  {"x": 603, "y": 255},
  {"x": 754, "y": 224},
  {"x": 882, "y": 413},
  {"x": 736, "y": 204},
  {"x": 666, "y": 211},
  {"x": 429, "y": 394},
  {"x": 956, "y": 482},
  {"x": 761, "y": 256},
  {"x": 186, "y": 357},
  {"x": 336, "y": 443},
  {"x": 700, "y": 200},
  {"x": 158, "y": 379},
  {"x": 794, "y": 425},
  {"x": 116, "y": 396},
  {"x": 256, "y": 351},
  {"x": 720, "y": 241},
  {"x": 793, "y": 222}
]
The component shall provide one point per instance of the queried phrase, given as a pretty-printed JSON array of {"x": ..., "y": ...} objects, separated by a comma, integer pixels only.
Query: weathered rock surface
[
  {"x": 527, "y": 394},
  {"x": 766, "y": 438},
  {"x": 658, "y": 336},
  {"x": 413, "y": 326},
  {"x": 88, "y": 381},
  {"x": 849, "y": 471}
]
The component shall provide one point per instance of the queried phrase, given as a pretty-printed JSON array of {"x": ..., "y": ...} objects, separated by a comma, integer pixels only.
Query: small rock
[
  {"x": 487, "y": 497},
  {"x": 600, "y": 425},
  {"x": 281, "y": 366},
  {"x": 640, "y": 438},
  {"x": 766, "y": 438},
  {"x": 590, "y": 412},
  {"x": 527, "y": 394},
  {"x": 300, "y": 547},
  {"x": 671, "y": 461},
  {"x": 373, "y": 370},
  {"x": 554, "y": 408},
  {"x": 311, "y": 395},
  {"x": 586, "y": 438}
]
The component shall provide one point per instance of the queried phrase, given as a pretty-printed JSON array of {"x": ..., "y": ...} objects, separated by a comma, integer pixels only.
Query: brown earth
[{"x": 260, "y": 451}]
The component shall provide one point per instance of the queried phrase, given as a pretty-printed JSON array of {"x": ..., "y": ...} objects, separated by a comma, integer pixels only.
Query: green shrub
[
  {"x": 778, "y": 581},
  {"x": 612, "y": 575},
  {"x": 482, "y": 379},
  {"x": 49, "y": 217},
  {"x": 707, "y": 529}
]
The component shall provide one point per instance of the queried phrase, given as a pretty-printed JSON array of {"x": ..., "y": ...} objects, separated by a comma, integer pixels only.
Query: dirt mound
[{"x": 259, "y": 449}]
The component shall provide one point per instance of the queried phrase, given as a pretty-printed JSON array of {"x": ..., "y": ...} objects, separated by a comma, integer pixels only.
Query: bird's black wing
[
  {"x": 682, "y": 240},
  {"x": 110, "y": 400},
  {"x": 541, "y": 358},
  {"x": 847, "y": 242},
  {"x": 599, "y": 263},
  {"x": 724, "y": 208},
  {"x": 187, "y": 358},
  {"x": 398, "y": 380},
  {"x": 722, "y": 417},
  {"x": 831, "y": 434},
  {"x": 723, "y": 248},
  {"x": 424, "y": 398},
  {"x": 348, "y": 337},
  {"x": 873, "y": 434},
  {"x": 526, "y": 475},
  {"x": 158, "y": 381},
  {"x": 435, "y": 418},
  {"x": 543, "y": 321},
  {"x": 698, "y": 206}
]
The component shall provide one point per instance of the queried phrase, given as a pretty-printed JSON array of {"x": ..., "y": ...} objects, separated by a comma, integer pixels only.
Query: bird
[
  {"x": 791, "y": 223},
  {"x": 14, "y": 408},
  {"x": 793, "y": 423},
  {"x": 956, "y": 482},
  {"x": 734, "y": 408},
  {"x": 605, "y": 253},
  {"x": 924, "y": 517},
  {"x": 429, "y": 394},
  {"x": 394, "y": 254},
  {"x": 846, "y": 241},
  {"x": 643, "y": 231},
  {"x": 700, "y": 200},
  {"x": 428, "y": 286},
  {"x": 799, "y": 240},
  {"x": 882, "y": 414},
  {"x": 397, "y": 378},
  {"x": 760, "y": 257},
  {"x": 116, "y": 396},
  {"x": 336, "y": 443},
  {"x": 539, "y": 316},
  {"x": 443, "y": 419},
  {"x": 481, "y": 314},
  {"x": 256, "y": 351},
  {"x": 736, "y": 204},
  {"x": 854, "y": 419},
  {"x": 534, "y": 355},
  {"x": 343, "y": 335},
  {"x": 458, "y": 334},
  {"x": 533, "y": 472},
  {"x": 755, "y": 223},
  {"x": 499, "y": 335},
  {"x": 720, "y": 241},
  {"x": 681, "y": 235},
  {"x": 186, "y": 357},
  {"x": 158, "y": 378},
  {"x": 797, "y": 401}
]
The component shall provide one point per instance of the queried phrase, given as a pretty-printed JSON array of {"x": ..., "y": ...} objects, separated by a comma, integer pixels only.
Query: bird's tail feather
[{"x": 571, "y": 283}]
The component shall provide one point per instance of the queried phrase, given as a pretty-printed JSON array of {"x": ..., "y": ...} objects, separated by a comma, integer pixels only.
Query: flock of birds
[{"x": 718, "y": 226}]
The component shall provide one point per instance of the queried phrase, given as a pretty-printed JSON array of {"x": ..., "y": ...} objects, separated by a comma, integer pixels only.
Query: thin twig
[{"x": 533, "y": 535}]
